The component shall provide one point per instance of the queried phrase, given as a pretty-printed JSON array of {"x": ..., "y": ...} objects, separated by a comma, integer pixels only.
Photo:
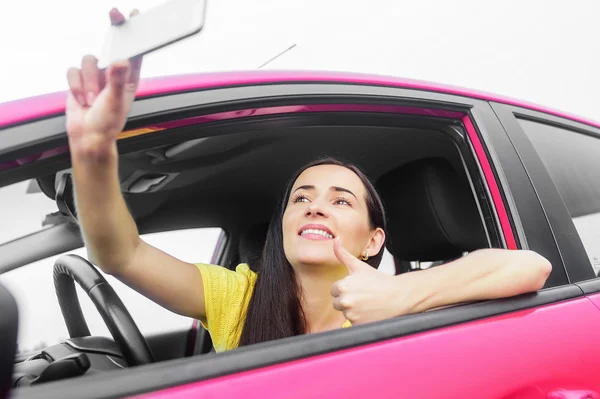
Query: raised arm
[{"x": 97, "y": 109}]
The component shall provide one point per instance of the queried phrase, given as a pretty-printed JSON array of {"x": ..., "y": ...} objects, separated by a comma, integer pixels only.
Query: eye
[
  {"x": 342, "y": 201},
  {"x": 299, "y": 198}
]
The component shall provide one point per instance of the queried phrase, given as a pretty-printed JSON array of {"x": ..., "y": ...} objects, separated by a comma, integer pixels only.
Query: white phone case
[{"x": 154, "y": 29}]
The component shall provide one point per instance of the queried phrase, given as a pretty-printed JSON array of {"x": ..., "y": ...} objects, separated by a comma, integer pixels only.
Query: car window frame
[
  {"x": 564, "y": 232},
  {"x": 501, "y": 156}
]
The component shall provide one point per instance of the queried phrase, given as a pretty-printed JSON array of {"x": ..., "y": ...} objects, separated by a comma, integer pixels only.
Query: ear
[{"x": 376, "y": 242}]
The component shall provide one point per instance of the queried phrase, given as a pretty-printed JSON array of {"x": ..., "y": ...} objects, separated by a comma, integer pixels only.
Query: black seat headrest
[
  {"x": 432, "y": 214},
  {"x": 9, "y": 323},
  {"x": 251, "y": 243}
]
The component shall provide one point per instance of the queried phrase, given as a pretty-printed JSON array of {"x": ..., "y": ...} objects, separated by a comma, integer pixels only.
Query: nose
[{"x": 316, "y": 209}]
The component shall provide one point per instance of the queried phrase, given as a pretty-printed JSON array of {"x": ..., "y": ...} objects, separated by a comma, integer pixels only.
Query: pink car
[{"x": 458, "y": 171}]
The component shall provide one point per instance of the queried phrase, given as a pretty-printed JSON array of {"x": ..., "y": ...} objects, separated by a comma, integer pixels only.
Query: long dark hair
[{"x": 275, "y": 308}]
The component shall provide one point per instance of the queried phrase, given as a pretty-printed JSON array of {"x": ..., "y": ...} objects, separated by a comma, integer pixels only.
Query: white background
[{"x": 543, "y": 51}]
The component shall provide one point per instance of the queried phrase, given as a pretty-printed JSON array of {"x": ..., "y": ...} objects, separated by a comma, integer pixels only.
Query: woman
[{"x": 317, "y": 271}]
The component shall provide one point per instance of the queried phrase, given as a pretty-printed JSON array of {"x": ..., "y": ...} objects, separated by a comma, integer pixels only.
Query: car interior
[
  {"x": 8, "y": 343},
  {"x": 422, "y": 167}
]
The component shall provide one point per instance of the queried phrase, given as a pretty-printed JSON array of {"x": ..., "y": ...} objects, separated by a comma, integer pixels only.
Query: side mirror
[
  {"x": 9, "y": 324},
  {"x": 65, "y": 197}
]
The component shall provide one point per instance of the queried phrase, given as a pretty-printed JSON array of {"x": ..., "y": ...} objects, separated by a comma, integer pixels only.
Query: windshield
[
  {"x": 40, "y": 319},
  {"x": 24, "y": 209}
]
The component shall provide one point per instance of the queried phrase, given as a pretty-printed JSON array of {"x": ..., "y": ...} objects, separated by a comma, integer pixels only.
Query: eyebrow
[{"x": 334, "y": 188}]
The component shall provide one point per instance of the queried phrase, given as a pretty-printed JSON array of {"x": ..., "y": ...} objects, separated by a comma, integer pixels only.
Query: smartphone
[{"x": 151, "y": 30}]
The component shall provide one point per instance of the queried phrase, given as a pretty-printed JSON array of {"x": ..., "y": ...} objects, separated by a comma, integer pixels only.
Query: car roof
[{"x": 28, "y": 109}]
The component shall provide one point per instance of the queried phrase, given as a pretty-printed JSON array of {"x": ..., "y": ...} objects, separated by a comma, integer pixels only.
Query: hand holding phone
[
  {"x": 161, "y": 26},
  {"x": 100, "y": 100}
]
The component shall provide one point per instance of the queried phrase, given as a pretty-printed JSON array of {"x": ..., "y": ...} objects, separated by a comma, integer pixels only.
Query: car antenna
[{"x": 278, "y": 55}]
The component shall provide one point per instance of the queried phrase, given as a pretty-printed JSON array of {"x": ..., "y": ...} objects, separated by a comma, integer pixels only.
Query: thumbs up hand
[{"x": 367, "y": 295}]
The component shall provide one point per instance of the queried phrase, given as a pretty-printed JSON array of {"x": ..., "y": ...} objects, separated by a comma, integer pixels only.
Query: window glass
[
  {"x": 573, "y": 161},
  {"x": 24, "y": 208},
  {"x": 387, "y": 265},
  {"x": 41, "y": 322}
]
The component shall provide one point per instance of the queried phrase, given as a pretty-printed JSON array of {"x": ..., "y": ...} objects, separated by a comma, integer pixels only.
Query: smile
[{"x": 322, "y": 233}]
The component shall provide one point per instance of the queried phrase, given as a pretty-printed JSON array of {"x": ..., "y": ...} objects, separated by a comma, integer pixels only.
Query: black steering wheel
[{"x": 70, "y": 268}]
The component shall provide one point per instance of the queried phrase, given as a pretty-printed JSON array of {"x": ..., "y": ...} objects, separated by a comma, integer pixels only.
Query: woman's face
[{"x": 327, "y": 201}]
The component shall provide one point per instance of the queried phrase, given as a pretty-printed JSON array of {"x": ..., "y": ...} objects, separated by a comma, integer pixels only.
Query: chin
[
  {"x": 312, "y": 254},
  {"x": 316, "y": 260}
]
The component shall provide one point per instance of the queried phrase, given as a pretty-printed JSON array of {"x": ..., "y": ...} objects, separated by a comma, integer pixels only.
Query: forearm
[
  {"x": 109, "y": 231},
  {"x": 482, "y": 275}
]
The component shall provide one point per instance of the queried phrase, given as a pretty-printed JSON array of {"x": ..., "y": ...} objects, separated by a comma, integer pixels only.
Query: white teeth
[{"x": 314, "y": 231}]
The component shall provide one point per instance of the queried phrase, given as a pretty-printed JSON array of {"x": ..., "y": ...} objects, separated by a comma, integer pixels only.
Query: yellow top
[{"x": 227, "y": 294}]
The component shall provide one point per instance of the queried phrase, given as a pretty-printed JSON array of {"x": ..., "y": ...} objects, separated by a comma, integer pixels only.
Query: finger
[
  {"x": 116, "y": 79},
  {"x": 102, "y": 79},
  {"x": 338, "y": 288},
  {"x": 73, "y": 112},
  {"x": 133, "y": 78},
  {"x": 337, "y": 305},
  {"x": 343, "y": 304},
  {"x": 351, "y": 262},
  {"x": 75, "y": 85},
  {"x": 136, "y": 67},
  {"x": 116, "y": 18},
  {"x": 91, "y": 78}
]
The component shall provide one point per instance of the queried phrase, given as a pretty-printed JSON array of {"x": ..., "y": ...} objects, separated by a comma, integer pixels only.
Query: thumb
[{"x": 353, "y": 264}]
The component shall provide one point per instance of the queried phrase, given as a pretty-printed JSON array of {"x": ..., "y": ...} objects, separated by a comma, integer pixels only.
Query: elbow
[
  {"x": 544, "y": 268},
  {"x": 112, "y": 261},
  {"x": 101, "y": 263},
  {"x": 540, "y": 268}
]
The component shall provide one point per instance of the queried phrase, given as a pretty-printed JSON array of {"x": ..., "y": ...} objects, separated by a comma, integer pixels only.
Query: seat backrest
[
  {"x": 251, "y": 243},
  {"x": 431, "y": 210},
  {"x": 8, "y": 342}
]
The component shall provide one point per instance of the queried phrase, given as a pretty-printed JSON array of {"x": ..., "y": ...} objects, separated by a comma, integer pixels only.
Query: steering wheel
[{"x": 70, "y": 268}]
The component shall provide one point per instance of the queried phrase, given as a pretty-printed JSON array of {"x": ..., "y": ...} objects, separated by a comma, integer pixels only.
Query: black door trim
[
  {"x": 563, "y": 229},
  {"x": 30, "y": 138},
  {"x": 524, "y": 202}
]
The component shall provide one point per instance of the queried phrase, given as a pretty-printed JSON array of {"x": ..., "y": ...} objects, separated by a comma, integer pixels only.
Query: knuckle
[
  {"x": 333, "y": 290},
  {"x": 130, "y": 87},
  {"x": 342, "y": 286},
  {"x": 351, "y": 316},
  {"x": 336, "y": 305},
  {"x": 346, "y": 302}
]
